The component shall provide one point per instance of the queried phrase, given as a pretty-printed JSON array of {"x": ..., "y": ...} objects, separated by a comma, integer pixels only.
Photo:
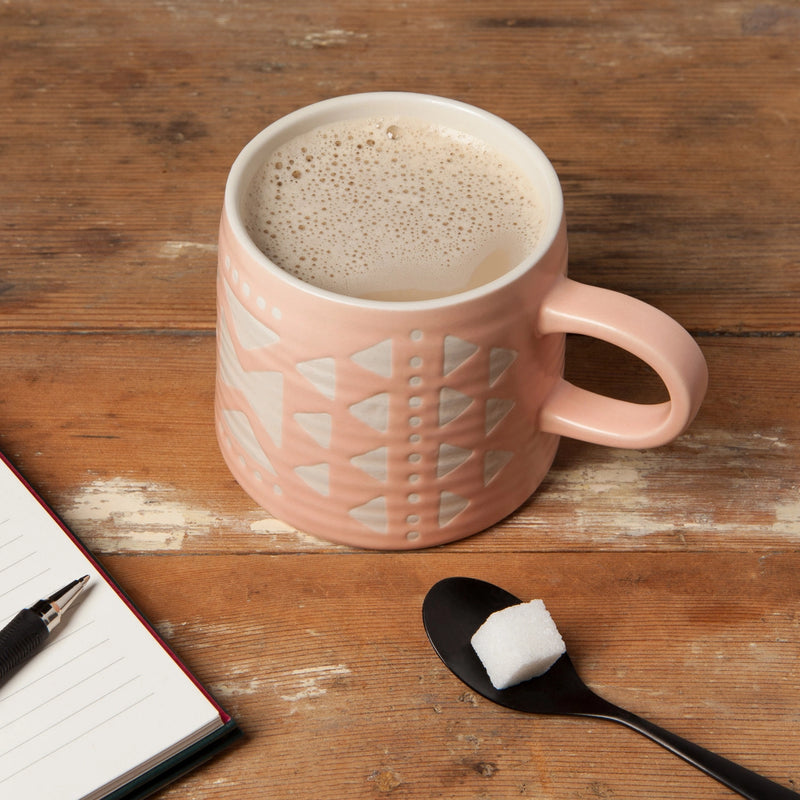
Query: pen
[{"x": 29, "y": 630}]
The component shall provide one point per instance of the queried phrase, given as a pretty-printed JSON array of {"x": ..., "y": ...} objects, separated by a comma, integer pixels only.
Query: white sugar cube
[{"x": 518, "y": 643}]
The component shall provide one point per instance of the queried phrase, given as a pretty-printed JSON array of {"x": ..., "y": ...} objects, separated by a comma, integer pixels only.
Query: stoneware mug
[{"x": 399, "y": 425}]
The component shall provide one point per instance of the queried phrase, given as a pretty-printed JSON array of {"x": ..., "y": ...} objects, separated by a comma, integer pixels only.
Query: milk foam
[{"x": 392, "y": 208}]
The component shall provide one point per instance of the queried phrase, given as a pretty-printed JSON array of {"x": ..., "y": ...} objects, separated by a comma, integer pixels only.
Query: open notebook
[{"x": 105, "y": 709}]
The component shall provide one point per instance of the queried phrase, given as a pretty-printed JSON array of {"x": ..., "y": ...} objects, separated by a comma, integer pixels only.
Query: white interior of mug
[{"x": 459, "y": 116}]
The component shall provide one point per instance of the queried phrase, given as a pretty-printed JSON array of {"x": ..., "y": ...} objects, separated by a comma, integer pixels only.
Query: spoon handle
[{"x": 746, "y": 783}]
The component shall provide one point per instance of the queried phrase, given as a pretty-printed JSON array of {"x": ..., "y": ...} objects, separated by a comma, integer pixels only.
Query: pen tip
[{"x": 67, "y": 595}]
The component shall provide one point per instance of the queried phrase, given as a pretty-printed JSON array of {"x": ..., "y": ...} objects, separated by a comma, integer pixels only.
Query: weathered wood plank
[
  {"x": 704, "y": 644},
  {"x": 117, "y": 432},
  {"x": 671, "y": 128},
  {"x": 672, "y": 572}
]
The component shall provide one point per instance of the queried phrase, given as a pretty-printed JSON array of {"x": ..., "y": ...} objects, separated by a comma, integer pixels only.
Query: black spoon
[{"x": 456, "y": 607}]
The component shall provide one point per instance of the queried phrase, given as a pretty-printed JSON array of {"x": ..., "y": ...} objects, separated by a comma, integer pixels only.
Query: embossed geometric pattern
[
  {"x": 377, "y": 358},
  {"x": 278, "y": 409},
  {"x": 318, "y": 426},
  {"x": 375, "y": 463},
  {"x": 500, "y": 359},
  {"x": 493, "y": 462},
  {"x": 450, "y": 457},
  {"x": 372, "y": 514},
  {"x": 456, "y": 352},
  {"x": 452, "y": 404},
  {"x": 317, "y": 476},
  {"x": 373, "y": 411},
  {"x": 262, "y": 389},
  {"x": 497, "y": 408},
  {"x": 240, "y": 427},
  {"x": 321, "y": 372},
  {"x": 250, "y": 332},
  {"x": 450, "y": 506}
]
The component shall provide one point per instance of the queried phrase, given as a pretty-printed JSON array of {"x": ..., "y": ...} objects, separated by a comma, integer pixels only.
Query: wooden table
[{"x": 672, "y": 573}]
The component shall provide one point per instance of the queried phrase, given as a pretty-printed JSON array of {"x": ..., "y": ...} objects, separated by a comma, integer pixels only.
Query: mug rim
[{"x": 355, "y": 105}]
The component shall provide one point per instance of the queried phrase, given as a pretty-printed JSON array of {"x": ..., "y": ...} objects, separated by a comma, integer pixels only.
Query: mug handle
[{"x": 644, "y": 331}]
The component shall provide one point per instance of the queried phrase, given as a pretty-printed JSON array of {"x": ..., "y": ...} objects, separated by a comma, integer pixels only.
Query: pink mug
[{"x": 407, "y": 424}]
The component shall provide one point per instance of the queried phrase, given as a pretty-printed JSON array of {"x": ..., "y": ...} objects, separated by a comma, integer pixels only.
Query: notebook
[{"x": 104, "y": 709}]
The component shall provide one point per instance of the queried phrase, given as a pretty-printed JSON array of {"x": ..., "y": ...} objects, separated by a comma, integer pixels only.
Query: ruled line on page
[
  {"x": 18, "y": 561},
  {"x": 61, "y": 693},
  {"x": 64, "y": 636},
  {"x": 61, "y": 666},
  {"x": 72, "y": 714},
  {"x": 74, "y": 739},
  {"x": 26, "y": 581}
]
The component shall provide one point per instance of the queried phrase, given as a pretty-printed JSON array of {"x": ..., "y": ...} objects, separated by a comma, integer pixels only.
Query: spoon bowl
[{"x": 455, "y": 608}]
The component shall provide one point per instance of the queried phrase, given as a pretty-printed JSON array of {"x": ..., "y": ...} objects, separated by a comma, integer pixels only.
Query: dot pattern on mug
[{"x": 264, "y": 413}]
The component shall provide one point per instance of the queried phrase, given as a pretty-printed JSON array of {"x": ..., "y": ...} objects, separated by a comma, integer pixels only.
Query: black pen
[{"x": 29, "y": 630}]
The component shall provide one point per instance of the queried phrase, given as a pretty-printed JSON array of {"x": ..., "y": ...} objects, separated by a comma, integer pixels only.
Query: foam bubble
[{"x": 392, "y": 208}]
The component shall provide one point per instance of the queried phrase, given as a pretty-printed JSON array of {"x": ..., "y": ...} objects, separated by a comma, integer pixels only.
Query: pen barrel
[{"x": 19, "y": 640}]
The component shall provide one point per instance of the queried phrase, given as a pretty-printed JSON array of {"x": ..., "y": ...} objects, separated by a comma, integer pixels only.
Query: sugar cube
[{"x": 518, "y": 643}]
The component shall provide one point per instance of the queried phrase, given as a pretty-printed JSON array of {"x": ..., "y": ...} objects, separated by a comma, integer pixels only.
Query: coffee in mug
[
  {"x": 434, "y": 411},
  {"x": 392, "y": 208}
]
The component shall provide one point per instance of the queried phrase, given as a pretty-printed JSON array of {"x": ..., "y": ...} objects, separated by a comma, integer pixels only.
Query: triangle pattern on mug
[
  {"x": 372, "y": 514},
  {"x": 497, "y": 409},
  {"x": 377, "y": 358},
  {"x": 229, "y": 367},
  {"x": 450, "y": 457},
  {"x": 375, "y": 463},
  {"x": 319, "y": 426},
  {"x": 321, "y": 372},
  {"x": 456, "y": 352},
  {"x": 466, "y": 457},
  {"x": 450, "y": 506},
  {"x": 263, "y": 390},
  {"x": 493, "y": 463},
  {"x": 452, "y": 404},
  {"x": 317, "y": 476},
  {"x": 500, "y": 359},
  {"x": 240, "y": 427},
  {"x": 251, "y": 333},
  {"x": 373, "y": 411}
]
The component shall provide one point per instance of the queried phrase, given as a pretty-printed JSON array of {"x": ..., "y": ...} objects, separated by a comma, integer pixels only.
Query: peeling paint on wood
[
  {"x": 136, "y": 515},
  {"x": 175, "y": 249},
  {"x": 335, "y": 37},
  {"x": 308, "y": 682}
]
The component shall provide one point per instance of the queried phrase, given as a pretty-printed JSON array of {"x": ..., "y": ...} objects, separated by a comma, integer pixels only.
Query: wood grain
[
  {"x": 129, "y": 456},
  {"x": 289, "y": 648},
  {"x": 670, "y": 125},
  {"x": 671, "y": 572}
]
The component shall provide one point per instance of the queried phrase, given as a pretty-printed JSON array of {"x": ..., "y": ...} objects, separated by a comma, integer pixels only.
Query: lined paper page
[{"x": 102, "y": 696}]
